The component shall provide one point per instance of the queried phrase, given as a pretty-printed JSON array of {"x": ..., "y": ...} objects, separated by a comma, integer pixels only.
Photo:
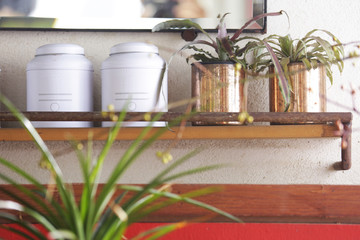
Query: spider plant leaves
[
  {"x": 307, "y": 63},
  {"x": 34, "y": 134},
  {"x": 39, "y": 217},
  {"x": 312, "y": 50},
  {"x": 97, "y": 215},
  {"x": 286, "y": 45},
  {"x": 36, "y": 197},
  {"x": 65, "y": 194},
  {"x": 30, "y": 228},
  {"x": 326, "y": 46},
  {"x": 160, "y": 231},
  {"x": 177, "y": 197},
  {"x": 283, "y": 83},
  {"x": 254, "y": 19}
]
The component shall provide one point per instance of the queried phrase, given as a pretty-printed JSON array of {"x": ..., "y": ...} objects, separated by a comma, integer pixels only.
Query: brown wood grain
[
  {"x": 203, "y": 132},
  {"x": 274, "y": 117},
  {"x": 263, "y": 203}
]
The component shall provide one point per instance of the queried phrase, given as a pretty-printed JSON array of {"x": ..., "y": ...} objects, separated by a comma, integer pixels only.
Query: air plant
[
  {"x": 280, "y": 51},
  {"x": 311, "y": 50},
  {"x": 226, "y": 47}
]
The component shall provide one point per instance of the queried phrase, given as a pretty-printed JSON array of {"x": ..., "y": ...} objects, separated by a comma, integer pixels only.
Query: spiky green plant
[
  {"x": 279, "y": 51},
  {"x": 311, "y": 50},
  {"x": 100, "y": 213}
]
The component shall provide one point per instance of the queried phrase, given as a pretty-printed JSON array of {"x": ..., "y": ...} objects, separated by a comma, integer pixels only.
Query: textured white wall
[{"x": 303, "y": 161}]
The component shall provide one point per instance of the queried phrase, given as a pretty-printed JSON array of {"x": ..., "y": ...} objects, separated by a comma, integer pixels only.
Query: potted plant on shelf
[
  {"x": 104, "y": 211},
  {"x": 305, "y": 62},
  {"x": 218, "y": 73}
]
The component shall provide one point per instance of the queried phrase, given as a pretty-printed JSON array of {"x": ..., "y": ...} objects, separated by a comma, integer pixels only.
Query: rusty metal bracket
[{"x": 346, "y": 147}]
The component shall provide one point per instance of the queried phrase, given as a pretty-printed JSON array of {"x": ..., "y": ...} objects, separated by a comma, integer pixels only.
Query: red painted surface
[{"x": 248, "y": 231}]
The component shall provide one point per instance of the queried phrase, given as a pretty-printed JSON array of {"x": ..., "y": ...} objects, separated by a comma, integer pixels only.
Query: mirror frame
[{"x": 36, "y": 23}]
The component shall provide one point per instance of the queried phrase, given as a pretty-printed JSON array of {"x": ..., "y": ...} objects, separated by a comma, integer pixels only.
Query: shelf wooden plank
[
  {"x": 307, "y": 125},
  {"x": 190, "y": 132},
  {"x": 274, "y": 117},
  {"x": 257, "y": 203}
]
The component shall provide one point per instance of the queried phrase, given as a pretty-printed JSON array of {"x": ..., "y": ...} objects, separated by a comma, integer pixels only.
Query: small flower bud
[
  {"x": 165, "y": 157},
  {"x": 79, "y": 146},
  {"x": 104, "y": 114},
  {"x": 114, "y": 118},
  {"x": 147, "y": 116},
  {"x": 250, "y": 119},
  {"x": 111, "y": 107},
  {"x": 242, "y": 117}
]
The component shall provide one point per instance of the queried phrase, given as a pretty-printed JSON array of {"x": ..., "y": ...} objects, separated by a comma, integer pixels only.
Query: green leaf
[
  {"x": 184, "y": 199},
  {"x": 160, "y": 231},
  {"x": 307, "y": 63},
  {"x": 254, "y": 19},
  {"x": 18, "y": 232},
  {"x": 11, "y": 205},
  {"x": 283, "y": 83},
  {"x": 180, "y": 24},
  {"x": 24, "y": 224}
]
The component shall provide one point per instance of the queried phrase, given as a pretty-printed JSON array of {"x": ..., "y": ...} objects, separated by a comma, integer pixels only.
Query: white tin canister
[
  {"x": 59, "y": 78},
  {"x": 134, "y": 78}
]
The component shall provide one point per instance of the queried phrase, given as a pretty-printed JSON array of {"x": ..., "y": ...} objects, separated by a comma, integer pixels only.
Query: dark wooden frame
[{"x": 258, "y": 9}]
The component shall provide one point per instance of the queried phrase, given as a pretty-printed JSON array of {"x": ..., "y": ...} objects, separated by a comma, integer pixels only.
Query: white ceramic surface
[
  {"x": 59, "y": 79},
  {"x": 132, "y": 80}
]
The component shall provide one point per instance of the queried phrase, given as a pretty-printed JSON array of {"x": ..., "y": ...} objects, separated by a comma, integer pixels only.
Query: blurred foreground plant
[{"x": 100, "y": 213}]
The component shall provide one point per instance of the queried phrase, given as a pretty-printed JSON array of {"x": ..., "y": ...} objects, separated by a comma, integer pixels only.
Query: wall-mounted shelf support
[
  {"x": 346, "y": 147},
  {"x": 304, "y": 125}
]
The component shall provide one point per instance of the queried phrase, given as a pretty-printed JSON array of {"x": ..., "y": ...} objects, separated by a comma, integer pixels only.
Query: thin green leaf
[
  {"x": 17, "y": 231},
  {"x": 238, "y": 32},
  {"x": 34, "y": 134},
  {"x": 67, "y": 198},
  {"x": 191, "y": 171},
  {"x": 62, "y": 234},
  {"x": 180, "y": 24},
  {"x": 142, "y": 212},
  {"x": 129, "y": 156},
  {"x": 106, "y": 219},
  {"x": 37, "y": 196},
  {"x": 21, "y": 173},
  {"x": 307, "y": 63},
  {"x": 283, "y": 83},
  {"x": 15, "y": 220},
  {"x": 157, "y": 180},
  {"x": 185, "y": 199},
  {"x": 160, "y": 231},
  {"x": 11, "y": 205}
]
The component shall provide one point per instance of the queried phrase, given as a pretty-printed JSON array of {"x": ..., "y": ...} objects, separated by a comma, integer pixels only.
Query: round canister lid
[
  {"x": 132, "y": 47},
  {"x": 60, "y": 48}
]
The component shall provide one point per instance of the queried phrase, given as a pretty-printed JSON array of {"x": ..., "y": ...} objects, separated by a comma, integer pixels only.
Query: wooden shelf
[
  {"x": 203, "y": 132},
  {"x": 322, "y": 125}
]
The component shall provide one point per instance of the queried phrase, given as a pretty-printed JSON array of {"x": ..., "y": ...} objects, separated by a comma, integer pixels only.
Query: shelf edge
[{"x": 203, "y": 132}]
